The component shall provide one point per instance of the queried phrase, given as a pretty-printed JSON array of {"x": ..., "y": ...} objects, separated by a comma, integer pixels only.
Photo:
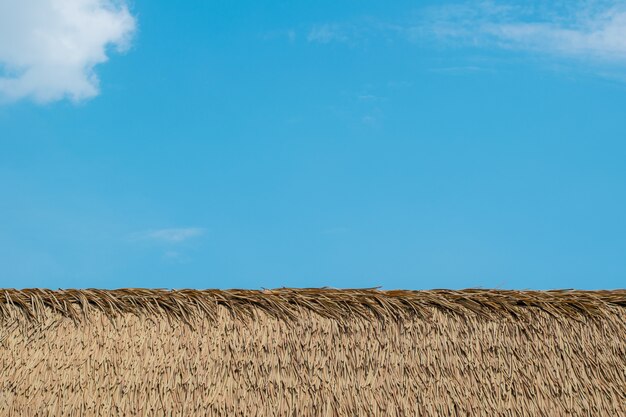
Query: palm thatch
[{"x": 312, "y": 352}]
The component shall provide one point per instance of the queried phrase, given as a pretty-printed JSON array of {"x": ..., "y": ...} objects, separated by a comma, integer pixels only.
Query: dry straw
[{"x": 312, "y": 352}]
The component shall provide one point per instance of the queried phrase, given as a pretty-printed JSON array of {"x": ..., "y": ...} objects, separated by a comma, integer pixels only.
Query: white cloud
[
  {"x": 586, "y": 30},
  {"x": 174, "y": 235},
  {"x": 49, "y": 48}
]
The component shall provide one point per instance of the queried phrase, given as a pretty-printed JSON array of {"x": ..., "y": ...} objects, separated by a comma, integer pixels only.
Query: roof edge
[{"x": 288, "y": 303}]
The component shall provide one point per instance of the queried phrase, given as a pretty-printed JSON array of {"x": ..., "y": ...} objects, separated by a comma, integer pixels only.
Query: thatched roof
[{"x": 312, "y": 352}]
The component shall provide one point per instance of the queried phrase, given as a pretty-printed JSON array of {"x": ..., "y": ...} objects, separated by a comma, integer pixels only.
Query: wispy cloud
[
  {"x": 591, "y": 33},
  {"x": 586, "y": 30},
  {"x": 354, "y": 32},
  {"x": 174, "y": 244},
  {"x": 176, "y": 257},
  {"x": 49, "y": 48},
  {"x": 328, "y": 32},
  {"x": 173, "y": 235}
]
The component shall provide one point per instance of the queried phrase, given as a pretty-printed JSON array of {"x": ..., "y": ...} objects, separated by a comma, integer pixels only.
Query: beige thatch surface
[{"x": 312, "y": 352}]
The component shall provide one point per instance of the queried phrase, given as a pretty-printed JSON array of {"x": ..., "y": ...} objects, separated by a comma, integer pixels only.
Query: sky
[{"x": 350, "y": 144}]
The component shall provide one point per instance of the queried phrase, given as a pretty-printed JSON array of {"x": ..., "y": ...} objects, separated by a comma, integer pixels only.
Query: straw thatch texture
[{"x": 312, "y": 352}]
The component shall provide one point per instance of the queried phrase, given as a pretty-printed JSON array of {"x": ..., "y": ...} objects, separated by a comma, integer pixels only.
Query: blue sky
[{"x": 250, "y": 144}]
